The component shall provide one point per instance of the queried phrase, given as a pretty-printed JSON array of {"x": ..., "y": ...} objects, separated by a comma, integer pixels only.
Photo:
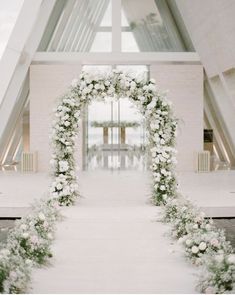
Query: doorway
[{"x": 116, "y": 138}]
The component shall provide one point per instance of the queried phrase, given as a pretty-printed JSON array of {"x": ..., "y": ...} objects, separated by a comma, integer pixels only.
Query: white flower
[
  {"x": 13, "y": 275},
  {"x": 34, "y": 239},
  {"x": 214, "y": 242},
  {"x": 188, "y": 242},
  {"x": 231, "y": 259},
  {"x": 195, "y": 226},
  {"x": 202, "y": 246},
  {"x": 208, "y": 227},
  {"x": 86, "y": 90},
  {"x": 151, "y": 105},
  {"x": 23, "y": 226},
  {"x": 63, "y": 166},
  {"x": 111, "y": 90},
  {"x": 162, "y": 187},
  {"x": 219, "y": 258},
  {"x": 25, "y": 235},
  {"x": 66, "y": 123},
  {"x": 28, "y": 262},
  {"x": 59, "y": 186},
  {"x": 5, "y": 252},
  {"x": 133, "y": 84},
  {"x": 77, "y": 114},
  {"x": 41, "y": 216},
  {"x": 195, "y": 250},
  {"x": 210, "y": 290}
]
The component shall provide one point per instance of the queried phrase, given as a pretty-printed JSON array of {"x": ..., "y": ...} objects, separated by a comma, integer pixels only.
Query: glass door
[{"x": 115, "y": 136}]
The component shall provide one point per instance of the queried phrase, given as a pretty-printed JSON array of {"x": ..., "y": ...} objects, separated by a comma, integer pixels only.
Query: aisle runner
[{"x": 110, "y": 242}]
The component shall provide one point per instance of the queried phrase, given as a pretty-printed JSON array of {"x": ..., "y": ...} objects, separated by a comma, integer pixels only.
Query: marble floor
[
  {"x": 214, "y": 192},
  {"x": 112, "y": 242}
]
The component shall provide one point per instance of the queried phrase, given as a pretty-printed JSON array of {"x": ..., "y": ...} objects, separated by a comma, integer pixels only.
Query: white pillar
[
  {"x": 47, "y": 83},
  {"x": 185, "y": 85}
]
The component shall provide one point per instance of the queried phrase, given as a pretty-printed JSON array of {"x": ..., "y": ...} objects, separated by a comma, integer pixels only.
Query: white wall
[
  {"x": 211, "y": 26},
  {"x": 185, "y": 85},
  {"x": 47, "y": 83}
]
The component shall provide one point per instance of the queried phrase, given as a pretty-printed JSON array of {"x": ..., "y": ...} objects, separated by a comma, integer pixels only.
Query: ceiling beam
[{"x": 115, "y": 57}]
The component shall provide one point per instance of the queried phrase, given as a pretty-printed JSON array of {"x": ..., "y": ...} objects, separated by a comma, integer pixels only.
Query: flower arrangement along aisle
[
  {"x": 201, "y": 245},
  {"x": 28, "y": 244},
  {"x": 204, "y": 245}
]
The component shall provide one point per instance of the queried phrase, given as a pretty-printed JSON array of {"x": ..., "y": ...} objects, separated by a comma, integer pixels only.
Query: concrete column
[
  {"x": 185, "y": 85},
  {"x": 47, "y": 83}
]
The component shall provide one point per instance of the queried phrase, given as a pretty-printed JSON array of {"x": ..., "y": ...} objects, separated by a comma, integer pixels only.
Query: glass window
[
  {"x": 102, "y": 42},
  {"x": 107, "y": 19},
  {"x": 152, "y": 26},
  {"x": 129, "y": 43}
]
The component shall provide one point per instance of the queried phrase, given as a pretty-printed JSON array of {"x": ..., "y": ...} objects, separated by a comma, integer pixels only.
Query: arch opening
[{"x": 151, "y": 103}]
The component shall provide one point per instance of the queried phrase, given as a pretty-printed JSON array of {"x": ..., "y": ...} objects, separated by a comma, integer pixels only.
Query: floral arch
[
  {"x": 29, "y": 243},
  {"x": 152, "y": 104}
]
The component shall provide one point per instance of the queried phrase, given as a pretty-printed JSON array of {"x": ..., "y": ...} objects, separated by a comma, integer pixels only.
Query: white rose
[
  {"x": 23, "y": 226},
  {"x": 188, "y": 242},
  {"x": 63, "y": 166},
  {"x": 133, "y": 84},
  {"x": 28, "y": 261},
  {"x": 13, "y": 275},
  {"x": 34, "y": 239},
  {"x": 163, "y": 171},
  {"x": 219, "y": 258},
  {"x": 41, "y": 216},
  {"x": 194, "y": 249},
  {"x": 208, "y": 227},
  {"x": 210, "y": 290},
  {"x": 231, "y": 259},
  {"x": 162, "y": 187},
  {"x": 151, "y": 105},
  {"x": 5, "y": 252},
  {"x": 25, "y": 235},
  {"x": 152, "y": 87},
  {"x": 86, "y": 90},
  {"x": 59, "y": 186},
  {"x": 214, "y": 242},
  {"x": 111, "y": 90},
  {"x": 202, "y": 246},
  {"x": 77, "y": 114}
]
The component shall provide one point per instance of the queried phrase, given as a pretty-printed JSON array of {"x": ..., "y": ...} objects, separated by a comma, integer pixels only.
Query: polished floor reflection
[{"x": 118, "y": 158}]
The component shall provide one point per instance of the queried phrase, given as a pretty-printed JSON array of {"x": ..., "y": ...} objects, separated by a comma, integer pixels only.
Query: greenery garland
[{"x": 28, "y": 244}]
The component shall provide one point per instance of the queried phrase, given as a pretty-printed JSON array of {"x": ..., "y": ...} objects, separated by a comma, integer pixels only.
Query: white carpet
[{"x": 111, "y": 242}]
